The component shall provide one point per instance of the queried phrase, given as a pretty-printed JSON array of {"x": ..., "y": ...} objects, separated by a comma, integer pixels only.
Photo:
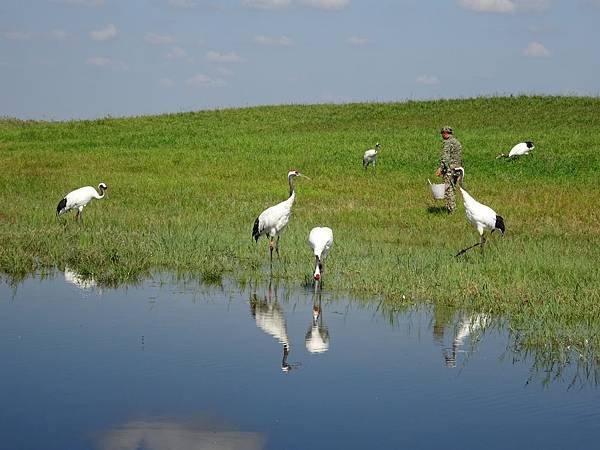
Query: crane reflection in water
[
  {"x": 269, "y": 317},
  {"x": 317, "y": 336},
  {"x": 470, "y": 326}
]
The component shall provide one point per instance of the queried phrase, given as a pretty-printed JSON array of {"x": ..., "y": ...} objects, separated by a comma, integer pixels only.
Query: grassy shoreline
[{"x": 184, "y": 190}]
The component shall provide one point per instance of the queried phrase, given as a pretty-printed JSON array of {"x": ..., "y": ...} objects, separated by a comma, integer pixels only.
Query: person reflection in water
[
  {"x": 317, "y": 336},
  {"x": 269, "y": 317}
]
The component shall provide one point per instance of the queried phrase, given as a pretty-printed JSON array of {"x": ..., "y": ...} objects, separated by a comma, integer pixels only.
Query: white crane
[
  {"x": 79, "y": 198},
  {"x": 272, "y": 221},
  {"x": 321, "y": 241},
  {"x": 522, "y": 148},
  {"x": 482, "y": 217},
  {"x": 370, "y": 156}
]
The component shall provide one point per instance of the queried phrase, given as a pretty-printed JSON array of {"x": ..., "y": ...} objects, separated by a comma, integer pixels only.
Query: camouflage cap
[{"x": 446, "y": 129}]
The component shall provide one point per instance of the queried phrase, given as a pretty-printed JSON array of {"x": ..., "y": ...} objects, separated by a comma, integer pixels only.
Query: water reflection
[
  {"x": 73, "y": 277},
  {"x": 470, "y": 325},
  {"x": 269, "y": 317},
  {"x": 199, "y": 434},
  {"x": 204, "y": 353},
  {"x": 317, "y": 336}
]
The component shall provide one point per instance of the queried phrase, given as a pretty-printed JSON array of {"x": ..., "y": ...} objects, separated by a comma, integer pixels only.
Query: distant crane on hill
[
  {"x": 522, "y": 148},
  {"x": 370, "y": 156}
]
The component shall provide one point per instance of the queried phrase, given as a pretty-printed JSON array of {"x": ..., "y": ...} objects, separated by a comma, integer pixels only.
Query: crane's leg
[
  {"x": 277, "y": 247},
  {"x": 80, "y": 214},
  {"x": 482, "y": 242},
  {"x": 464, "y": 250},
  {"x": 271, "y": 248}
]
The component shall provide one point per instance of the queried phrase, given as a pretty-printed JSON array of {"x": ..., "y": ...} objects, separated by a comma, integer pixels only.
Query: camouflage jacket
[{"x": 451, "y": 154}]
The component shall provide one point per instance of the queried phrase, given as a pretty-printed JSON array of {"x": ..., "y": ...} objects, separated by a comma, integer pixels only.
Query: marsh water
[{"x": 181, "y": 366}]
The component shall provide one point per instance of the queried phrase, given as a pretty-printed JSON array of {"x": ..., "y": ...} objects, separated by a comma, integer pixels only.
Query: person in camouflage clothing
[{"x": 451, "y": 158}]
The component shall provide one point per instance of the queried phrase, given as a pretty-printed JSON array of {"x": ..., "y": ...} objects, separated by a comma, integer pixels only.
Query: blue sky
[{"x": 69, "y": 59}]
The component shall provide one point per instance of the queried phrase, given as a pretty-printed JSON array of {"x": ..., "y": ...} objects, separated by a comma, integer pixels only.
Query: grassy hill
[{"x": 184, "y": 190}]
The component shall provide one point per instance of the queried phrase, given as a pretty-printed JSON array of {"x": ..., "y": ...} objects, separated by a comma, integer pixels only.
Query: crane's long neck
[
  {"x": 466, "y": 197},
  {"x": 102, "y": 192},
  {"x": 292, "y": 191}
]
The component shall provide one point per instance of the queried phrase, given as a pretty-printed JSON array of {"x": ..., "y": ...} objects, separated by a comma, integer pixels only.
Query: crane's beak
[{"x": 303, "y": 176}]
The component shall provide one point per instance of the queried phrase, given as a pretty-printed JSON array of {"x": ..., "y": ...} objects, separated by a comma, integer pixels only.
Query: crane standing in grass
[
  {"x": 79, "y": 198},
  {"x": 479, "y": 215},
  {"x": 321, "y": 241},
  {"x": 370, "y": 156},
  {"x": 522, "y": 148},
  {"x": 272, "y": 221}
]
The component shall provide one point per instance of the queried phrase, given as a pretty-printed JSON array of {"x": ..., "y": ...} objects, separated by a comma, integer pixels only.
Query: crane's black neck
[{"x": 291, "y": 181}]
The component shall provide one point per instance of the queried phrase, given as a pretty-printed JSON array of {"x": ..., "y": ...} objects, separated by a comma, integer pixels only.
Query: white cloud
[
  {"x": 504, "y": 6},
  {"x": 16, "y": 35},
  {"x": 282, "y": 41},
  {"x": 104, "y": 34},
  {"x": 536, "y": 50},
  {"x": 357, "y": 40},
  {"x": 167, "y": 82},
  {"x": 327, "y": 4},
  {"x": 158, "y": 39},
  {"x": 99, "y": 61},
  {"x": 494, "y": 6},
  {"x": 217, "y": 57},
  {"x": 176, "y": 53},
  {"x": 266, "y": 4},
  {"x": 429, "y": 80},
  {"x": 201, "y": 80}
]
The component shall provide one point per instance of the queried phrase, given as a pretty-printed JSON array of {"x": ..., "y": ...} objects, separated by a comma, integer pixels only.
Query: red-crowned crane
[
  {"x": 522, "y": 148},
  {"x": 321, "y": 241},
  {"x": 370, "y": 156},
  {"x": 272, "y": 221},
  {"x": 79, "y": 198},
  {"x": 482, "y": 217}
]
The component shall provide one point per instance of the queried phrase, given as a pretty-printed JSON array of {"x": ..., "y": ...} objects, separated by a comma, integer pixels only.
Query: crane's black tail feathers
[
  {"x": 255, "y": 232},
  {"x": 499, "y": 224}
]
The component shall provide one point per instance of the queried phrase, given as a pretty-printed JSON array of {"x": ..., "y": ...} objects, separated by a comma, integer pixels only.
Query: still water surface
[{"x": 185, "y": 367}]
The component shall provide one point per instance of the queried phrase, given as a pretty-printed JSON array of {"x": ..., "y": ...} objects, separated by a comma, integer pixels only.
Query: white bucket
[{"x": 437, "y": 190}]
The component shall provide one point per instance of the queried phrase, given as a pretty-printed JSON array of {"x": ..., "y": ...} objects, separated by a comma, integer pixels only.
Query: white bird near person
[
  {"x": 370, "y": 156},
  {"x": 522, "y": 148},
  {"x": 79, "y": 198},
  {"x": 272, "y": 221},
  {"x": 481, "y": 216},
  {"x": 321, "y": 241}
]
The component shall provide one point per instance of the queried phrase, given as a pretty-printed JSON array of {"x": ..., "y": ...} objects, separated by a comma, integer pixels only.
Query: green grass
[{"x": 184, "y": 190}]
